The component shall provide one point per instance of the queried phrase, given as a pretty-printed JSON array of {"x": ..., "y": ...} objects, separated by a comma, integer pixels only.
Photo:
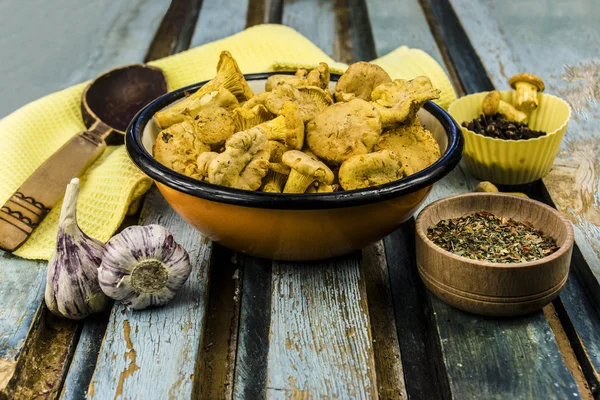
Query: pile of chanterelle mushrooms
[{"x": 296, "y": 137}]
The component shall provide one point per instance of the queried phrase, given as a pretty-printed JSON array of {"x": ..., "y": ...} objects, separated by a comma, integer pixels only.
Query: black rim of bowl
[{"x": 222, "y": 194}]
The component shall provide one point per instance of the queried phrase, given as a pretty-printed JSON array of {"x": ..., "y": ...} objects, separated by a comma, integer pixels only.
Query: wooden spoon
[{"x": 108, "y": 104}]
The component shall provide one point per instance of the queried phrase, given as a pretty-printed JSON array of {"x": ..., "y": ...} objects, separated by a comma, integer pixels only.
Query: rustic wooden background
[{"x": 360, "y": 326}]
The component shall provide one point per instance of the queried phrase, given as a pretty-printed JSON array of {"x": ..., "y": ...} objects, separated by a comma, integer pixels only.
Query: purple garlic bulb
[
  {"x": 72, "y": 289},
  {"x": 143, "y": 266}
]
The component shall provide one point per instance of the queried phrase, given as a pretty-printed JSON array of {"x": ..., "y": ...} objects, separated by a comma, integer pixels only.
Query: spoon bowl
[{"x": 108, "y": 104}]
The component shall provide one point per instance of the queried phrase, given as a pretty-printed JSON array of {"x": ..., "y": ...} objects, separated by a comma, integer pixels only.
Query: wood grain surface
[
  {"x": 320, "y": 342},
  {"x": 19, "y": 308},
  {"x": 217, "y": 22}
]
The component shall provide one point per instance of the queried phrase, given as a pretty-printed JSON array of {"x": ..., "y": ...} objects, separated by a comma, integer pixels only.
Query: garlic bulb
[
  {"x": 143, "y": 266},
  {"x": 72, "y": 289}
]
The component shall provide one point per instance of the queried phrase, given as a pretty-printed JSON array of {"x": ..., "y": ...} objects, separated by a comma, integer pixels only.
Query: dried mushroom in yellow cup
[{"x": 512, "y": 162}]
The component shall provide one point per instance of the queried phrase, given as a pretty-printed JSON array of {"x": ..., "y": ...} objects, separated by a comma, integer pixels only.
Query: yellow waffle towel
[{"x": 112, "y": 186}]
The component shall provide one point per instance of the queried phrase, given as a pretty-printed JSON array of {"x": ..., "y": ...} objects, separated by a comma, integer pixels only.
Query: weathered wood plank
[
  {"x": 320, "y": 342},
  {"x": 84, "y": 360},
  {"x": 486, "y": 361},
  {"x": 68, "y": 41},
  {"x": 176, "y": 29},
  {"x": 264, "y": 12},
  {"x": 463, "y": 374},
  {"x": 22, "y": 285},
  {"x": 567, "y": 38},
  {"x": 394, "y": 24},
  {"x": 153, "y": 353},
  {"x": 255, "y": 321},
  {"x": 217, "y": 22},
  {"x": 54, "y": 59},
  {"x": 45, "y": 358},
  {"x": 216, "y": 360},
  {"x": 314, "y": 19},
  {"x": 388, "y": 364}
]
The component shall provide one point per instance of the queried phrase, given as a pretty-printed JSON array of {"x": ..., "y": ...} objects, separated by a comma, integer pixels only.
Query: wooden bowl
[{"x": 487, "y": 288}]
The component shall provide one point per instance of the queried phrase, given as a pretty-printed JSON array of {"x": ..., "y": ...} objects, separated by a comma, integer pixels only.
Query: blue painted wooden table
[{"x": 361, "y": 326}]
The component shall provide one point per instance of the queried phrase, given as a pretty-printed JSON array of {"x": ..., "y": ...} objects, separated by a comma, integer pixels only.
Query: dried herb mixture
[{"x": 487, "y": 237}]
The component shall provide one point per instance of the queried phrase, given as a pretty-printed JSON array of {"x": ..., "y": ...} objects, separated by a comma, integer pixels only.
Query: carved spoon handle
[{"x": 28, "y": 206}]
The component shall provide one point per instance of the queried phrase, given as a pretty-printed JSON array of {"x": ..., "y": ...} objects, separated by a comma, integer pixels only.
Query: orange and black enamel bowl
[{"x": 296, "y": 227}]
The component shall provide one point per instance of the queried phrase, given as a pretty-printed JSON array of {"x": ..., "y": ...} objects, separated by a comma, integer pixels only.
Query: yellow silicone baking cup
[{"x": 513, "y": 162}]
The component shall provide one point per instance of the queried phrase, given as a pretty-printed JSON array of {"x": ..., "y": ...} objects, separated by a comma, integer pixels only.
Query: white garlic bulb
[
  {"x": 143, "y": 266},
  {"x": 72, "y": 289}
]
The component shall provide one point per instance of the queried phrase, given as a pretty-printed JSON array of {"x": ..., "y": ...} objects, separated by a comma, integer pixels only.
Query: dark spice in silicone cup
[{"x": 496, "y": 126}]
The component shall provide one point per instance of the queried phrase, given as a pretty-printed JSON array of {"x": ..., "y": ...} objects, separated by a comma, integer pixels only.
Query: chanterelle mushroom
[
  {"x": 317, "y": 77},
  {"x": 305, "y": 170},
  {"x": 245, "y": 118},
  {"x": 287, "y": 128},
  {"x": 527, "y": 87},
  {"x": 400, "y": 100},
  {"x": 203, "y": 162},
  {"x": 278, "y": 171},
  {"x": 244, "y": 162},
  {"x": 414, "y": 145},
  {"x": 214, "y": 125},
  {"x": 343, "y": 130},
  {"x": 373, "y": 169},
  {"x": 493, "y": 105},
  {"x": 310, "y": 99},
  {"x": 359, "y": 80},
  {"x": 178, "y": 147},
  {"x": 228, "y": 77}
]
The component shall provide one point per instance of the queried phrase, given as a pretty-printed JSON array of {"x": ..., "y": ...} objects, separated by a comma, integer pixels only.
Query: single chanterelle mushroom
[
  {"x": 178, "y": 147},
  {"x": 486, "y": 187},
  {"x": 278, "y": 171},
  {"x": 305, "y": 170},
  {"x": 343, "y": 130},
  {"x": 244, "y": 162},
  {"x": 414, "y": 145},
  {"x": 317, "y": 77},
  {"x": 214, "y": 125},
  {"x": 493, "y": 105},
  {"x": 246, "y": 118},
  {"x": 228, "y": 77},
  {"x": 359, "y": 80},
  {"x": 527, "y": 87},
  {"x": 274, "y": 182},
  {"x": 203, "y": 162},
  {"x": 310, "y": 99},
  {"x": 400, "y": 100},
  {"x": 373, "y": 169},
  {"x": 287, "y": 128},
  {"x": 489, "y": 187}
]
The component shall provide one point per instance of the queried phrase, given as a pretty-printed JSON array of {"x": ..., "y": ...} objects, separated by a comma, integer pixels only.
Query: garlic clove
[
  {"x": 72, "y": 289},
  {"x": 143, "y": 266}
]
